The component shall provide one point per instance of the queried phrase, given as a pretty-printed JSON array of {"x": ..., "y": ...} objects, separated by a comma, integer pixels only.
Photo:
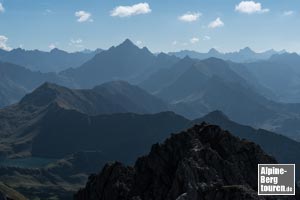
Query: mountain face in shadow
[
  {"x": 284, "y": 149},
  {"x": 38, "y": 112},
  {"x": 203, "y": 162},
  {"x": 111, "y": 97},
  {"x": 53, "y": 61},
  {"x": 54, "y": 115},
  {"x": 123, "y": 62},
  {"x": 119, "y": 136},
  {"x": 243, "y": 55}
]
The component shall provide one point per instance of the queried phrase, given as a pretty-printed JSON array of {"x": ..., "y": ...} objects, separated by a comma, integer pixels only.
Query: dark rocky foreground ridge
[{"x": 204, "y": 162}]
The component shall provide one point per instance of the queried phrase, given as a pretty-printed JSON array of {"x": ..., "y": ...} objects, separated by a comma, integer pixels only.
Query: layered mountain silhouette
[
  {"x": 79, "y": 70},
  {"x": 280, "y": 74},
  {"x": 103, "y": 119},
  {"x": 89, "y": 127},
  {"x": 53, "y": 61},
  {"x": 203, "y": 162},
  {"x": 111, "y": 97},
  {"x": 16, "y": 81},
  {"x": 53, "y": 107},
  {"x": 243, "y": 55},
  {"x": 123, "y": 62},
  {"x": 194, "y": 88}
]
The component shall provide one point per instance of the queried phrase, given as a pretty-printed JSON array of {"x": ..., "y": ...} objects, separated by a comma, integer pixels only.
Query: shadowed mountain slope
[{"x": 203, "y": 162}]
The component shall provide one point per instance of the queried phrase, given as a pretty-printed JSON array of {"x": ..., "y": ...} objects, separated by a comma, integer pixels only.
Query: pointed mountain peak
[
  {"x": 187, "y": 60},
  {"x": 246, "y": 50},
  {"x": 56, "y": 50},
  {"x": 127, "y": 46},
  {"x": 127, "y": 43},
  {"x": 145, "y": 49},
  {"x": 213, "y": 51},
  {"x": 48, "y": 85},
  {"x": 216, "y": 115},
  {"x": 162, "y": 54},
  {"x": 43, "y": 95},
  {"x": 271, "y": 51}
]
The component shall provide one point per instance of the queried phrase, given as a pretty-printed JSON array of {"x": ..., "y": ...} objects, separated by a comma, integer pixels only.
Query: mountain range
[
  {"x": 123, "y": 62},
  {"x": 53, "y": 114},
  {"x": 243, "y": 55},
  {"x": 48, "y": 106},
  {"x": 280, "y": 74},
  {"x": 53, "y": 61},
  {"x": 82, "y": 129},
  {"x": 194, "y": 88},
  {"x": 251, "y": 93}
]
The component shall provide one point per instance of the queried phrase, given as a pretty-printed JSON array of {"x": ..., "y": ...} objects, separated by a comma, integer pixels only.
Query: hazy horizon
[
  {"x": 154, "y": 52},
  {"x": 166, "y": 26}
]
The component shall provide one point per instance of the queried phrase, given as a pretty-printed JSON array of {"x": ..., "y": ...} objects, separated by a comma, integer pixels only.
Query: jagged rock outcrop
[{"x": 204, "y": 162}]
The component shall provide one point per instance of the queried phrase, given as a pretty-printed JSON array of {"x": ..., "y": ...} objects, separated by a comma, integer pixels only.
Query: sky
[{"x": 161, "y": 25}]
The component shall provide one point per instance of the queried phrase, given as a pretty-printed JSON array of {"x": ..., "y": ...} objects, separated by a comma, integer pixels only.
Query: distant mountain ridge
[
  {"x": 243, "y": 55},
  {"x": 16, "y": 81},
  {"x": 54, "y": 61},
  {"x": 194, "y": 88},
  {"x": 281, "y": 74},
  {"x": 191, "y": 87},
  {"x": 123, "y": 62}
]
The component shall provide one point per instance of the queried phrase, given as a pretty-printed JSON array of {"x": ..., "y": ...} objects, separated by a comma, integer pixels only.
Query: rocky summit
[{"x": 203, "y": 162}]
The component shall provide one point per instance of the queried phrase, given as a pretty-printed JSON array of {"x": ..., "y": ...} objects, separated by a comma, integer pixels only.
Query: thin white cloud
[
  {"x": 205, "y": 38},
  {"x": 48, "y": 12},
  {"x": 139, "y": 42},
  {"x": 3, "y": 43},
  {"x": 174, "y": 42},
  {"x": 190, "y": 16},
  {"x": 288, "y": 13},
  {"x": 126, "y": 11},
  {"x": 76, "y": 43},
  {"x": 83, "y": 16},
  {"x": 1, "y": 8},
  {"x": 52, "y": 46},
  {"x": 250, "y": 7},
  {"x": 194, "y": 40},
  {"x": 216, "y": 23}
]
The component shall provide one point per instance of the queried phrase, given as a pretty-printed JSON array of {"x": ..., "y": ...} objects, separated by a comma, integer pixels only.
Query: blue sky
[{"x": 161, "y": 25}]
